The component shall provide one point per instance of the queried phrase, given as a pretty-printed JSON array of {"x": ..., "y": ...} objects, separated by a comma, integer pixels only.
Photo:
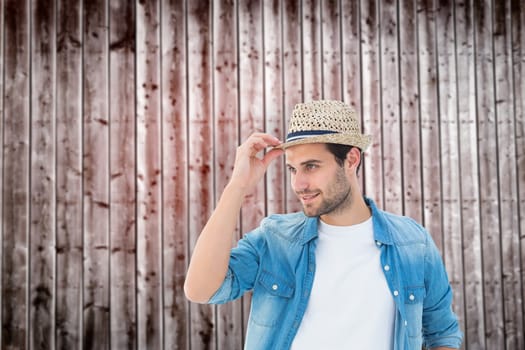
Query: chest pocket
[
  {"x": 414, "y": 297},
  {"x": 271, "y": 297}
]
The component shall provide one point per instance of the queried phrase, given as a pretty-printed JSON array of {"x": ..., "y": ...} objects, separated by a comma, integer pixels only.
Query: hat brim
[{"x": 360, "y": 141}]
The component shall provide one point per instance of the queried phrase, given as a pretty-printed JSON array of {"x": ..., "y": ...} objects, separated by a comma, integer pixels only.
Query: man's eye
[
  {"x": 311, "y": 166},
  {"x": 291, "y": 170}
]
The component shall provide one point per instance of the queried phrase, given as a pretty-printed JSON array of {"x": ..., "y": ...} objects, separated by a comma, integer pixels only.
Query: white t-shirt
[{"x": 350, "y": 306}]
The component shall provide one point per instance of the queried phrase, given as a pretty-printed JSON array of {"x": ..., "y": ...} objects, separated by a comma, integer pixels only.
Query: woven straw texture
[{"x": 335, "y": 117}]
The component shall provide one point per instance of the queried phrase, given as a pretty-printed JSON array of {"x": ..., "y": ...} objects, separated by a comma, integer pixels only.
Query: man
[{"x": 340, "y": 275}]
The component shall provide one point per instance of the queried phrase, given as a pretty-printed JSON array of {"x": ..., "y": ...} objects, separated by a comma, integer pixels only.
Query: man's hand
[{"x": 249, "y": 168}]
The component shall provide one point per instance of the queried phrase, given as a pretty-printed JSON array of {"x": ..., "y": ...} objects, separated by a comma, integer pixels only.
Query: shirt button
[
  {"x": 378, "y": 243},
  {"x": 396, "y": 293},
  {"x": 274, "y": 287},
  {"x": 406, "y": 323},
  {"x": 387, "y": 268},
  {"x": 411, "y": 297}
]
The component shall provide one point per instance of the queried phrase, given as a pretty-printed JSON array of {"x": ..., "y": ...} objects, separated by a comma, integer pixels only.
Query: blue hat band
[{"x": 297, "y": 135}]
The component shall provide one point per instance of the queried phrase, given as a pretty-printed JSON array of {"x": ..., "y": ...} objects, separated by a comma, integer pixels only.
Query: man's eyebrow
[{"x": 309, "y": 161}]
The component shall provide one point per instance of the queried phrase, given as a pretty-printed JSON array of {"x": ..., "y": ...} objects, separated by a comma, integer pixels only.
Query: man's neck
[{"x": 356, "y": 213}]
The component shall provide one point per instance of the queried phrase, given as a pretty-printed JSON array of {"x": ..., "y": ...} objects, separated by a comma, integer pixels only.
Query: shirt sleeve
[
  {"x": 440, "y": 324},
  {"x": 242, "y": 271}
]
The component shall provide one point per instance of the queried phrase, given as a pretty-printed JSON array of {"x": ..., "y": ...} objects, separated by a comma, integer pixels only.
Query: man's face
[{"x": 319, "y": 182}]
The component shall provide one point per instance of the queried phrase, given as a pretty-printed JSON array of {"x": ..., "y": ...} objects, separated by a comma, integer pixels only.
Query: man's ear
[{"x": 353, "y": 158}]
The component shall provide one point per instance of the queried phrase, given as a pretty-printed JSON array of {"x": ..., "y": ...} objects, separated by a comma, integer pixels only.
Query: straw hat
[{"x": 325, "y": 122}]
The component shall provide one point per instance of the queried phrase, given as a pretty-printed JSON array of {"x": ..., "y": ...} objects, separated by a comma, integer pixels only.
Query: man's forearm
[{"x": 209, "y": 262}]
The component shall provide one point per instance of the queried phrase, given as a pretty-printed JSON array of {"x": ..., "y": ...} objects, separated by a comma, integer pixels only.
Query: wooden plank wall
[{"x": 119, "y": 121}]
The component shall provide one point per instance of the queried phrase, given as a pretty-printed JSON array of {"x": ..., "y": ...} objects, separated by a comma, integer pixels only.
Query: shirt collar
[{"x": 381, "y": 228}]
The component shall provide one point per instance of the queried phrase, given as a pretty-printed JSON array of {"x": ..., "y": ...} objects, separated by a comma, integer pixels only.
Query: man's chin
[{"x": 310, "y": 212}]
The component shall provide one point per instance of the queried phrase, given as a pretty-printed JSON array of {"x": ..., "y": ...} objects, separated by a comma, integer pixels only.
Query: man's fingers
[
  {"x": 271, "y": 155},
  {"x": 259, "y": 141}
]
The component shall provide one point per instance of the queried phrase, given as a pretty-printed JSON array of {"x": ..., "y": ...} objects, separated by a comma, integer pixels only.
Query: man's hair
[{"x": 340, "y": 151}]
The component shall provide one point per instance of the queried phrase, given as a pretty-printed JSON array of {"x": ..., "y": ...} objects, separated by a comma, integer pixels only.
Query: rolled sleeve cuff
[{"x": 223, "y": 294}]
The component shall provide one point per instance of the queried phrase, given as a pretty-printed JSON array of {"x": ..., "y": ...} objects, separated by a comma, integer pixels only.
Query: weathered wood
[
  {"x": 43, "y": 178},
  {"x": 175, "y": 174},
  {"x": 225, "y": 110},
  {"x": 373, "y": 165},
  {"x": 517, "y": 11},
  {"x": 312, "y": 51},
  {"x": 472, "y": 255},
  {"x": 351, "y": 53},
  {"x": 450, "y": 167},
  {"x": 390, "y": 105},
  {"x": 351, "y": 62},
  {"x": 438, "y": 84},
  {"x": 123, "y": 311},
  {"x": 273, "y": 100},
  {"x": 429, "y": 121},
  {"x": 15, "y": 168},
  {"x": 2, "y": 58},
  {"x": 69, "y": 240},
  {"x": 251, "y": 108},
  {"x": 331, "y": 49},
  {"x": 292, "y": 81},
  {"x": 201, "y": 191},
  {"x": 507, "y": 189},
  {"x": 149, "y": 179},
  {"x": 409, "y": 94},
  {"x": 96, "y": 320},
  {"x": 488, "y": 176}
]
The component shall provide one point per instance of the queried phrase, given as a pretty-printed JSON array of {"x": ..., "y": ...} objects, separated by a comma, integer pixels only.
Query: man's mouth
[{"x": 308, "y": 197}]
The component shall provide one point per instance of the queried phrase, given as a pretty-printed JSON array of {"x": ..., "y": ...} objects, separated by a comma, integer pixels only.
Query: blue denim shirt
[{"x": 277, "y": 262}]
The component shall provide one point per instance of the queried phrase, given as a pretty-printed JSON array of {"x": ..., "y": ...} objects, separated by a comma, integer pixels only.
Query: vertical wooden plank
[
  {"x": 229, "y": 316},
  {"x": 410, "y": 127},
  {"x": 371, "y": 117},
  {"x": 122, "y": 171},
  {"x": 15, "y": 167},
  {"x": 517, "y": 21},
  {"x": 350, "y": 38},
  {"x": 251, "y": 108},
  {"x": 390, "y": 105},
  {"x": 96, "y": 329},
  {"x": 331, "y": 49},
  {"x": 450, "y": 169},
  {"x": 69, "y": 238},
  {"x": 42, "y": 245},
  {"x": 273, "y": 100},
  {"x": 149, "y": 196},
  {"x": 466, "y": 99},
  {"x": 292, "y": 81},
  {"x": 175, "y": 174},
  {"x": 201, "y": 190},
  {"x": 2, "y": 89},
  {"x": 312, "y": 54},
  {"x": 508, "y": 191},
  {"x": 351, "y": 61},
  {"x": 430, "y": 149},
  {"x": 488, "y": 176}
]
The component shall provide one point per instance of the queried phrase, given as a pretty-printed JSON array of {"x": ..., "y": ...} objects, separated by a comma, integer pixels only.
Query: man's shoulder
[{"x": 289, "y": 227}]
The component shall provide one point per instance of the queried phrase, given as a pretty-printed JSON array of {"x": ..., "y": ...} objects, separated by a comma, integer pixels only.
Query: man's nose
[{"x": 299, "y": 182}]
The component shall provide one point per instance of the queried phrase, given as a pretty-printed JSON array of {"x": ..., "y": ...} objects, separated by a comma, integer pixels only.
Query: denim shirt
[{"x": 277, "y": 262}]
